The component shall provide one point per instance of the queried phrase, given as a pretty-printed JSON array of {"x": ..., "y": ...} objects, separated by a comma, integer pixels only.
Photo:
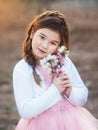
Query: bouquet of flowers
[{"x": 53, "y": 63}]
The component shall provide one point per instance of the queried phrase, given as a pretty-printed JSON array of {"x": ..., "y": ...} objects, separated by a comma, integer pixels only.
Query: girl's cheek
[{"x": 52, "y": 50}]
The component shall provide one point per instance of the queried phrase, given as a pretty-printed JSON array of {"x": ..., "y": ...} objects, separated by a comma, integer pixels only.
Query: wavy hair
[{"x": 49, "y": 19}]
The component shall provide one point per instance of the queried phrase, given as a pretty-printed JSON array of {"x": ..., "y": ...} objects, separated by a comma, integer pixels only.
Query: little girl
[{"x": 47, "y": 101}]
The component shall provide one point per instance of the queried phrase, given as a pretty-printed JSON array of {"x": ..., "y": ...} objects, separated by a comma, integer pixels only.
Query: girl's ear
[{"x": 32, "y": 33}]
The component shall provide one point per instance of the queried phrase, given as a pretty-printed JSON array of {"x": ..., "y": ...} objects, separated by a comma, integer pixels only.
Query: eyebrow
[{"x": 46, "y": 36}]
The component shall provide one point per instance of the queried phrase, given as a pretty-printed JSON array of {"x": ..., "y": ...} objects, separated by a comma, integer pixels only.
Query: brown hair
[{"x": 49, "y": 19}]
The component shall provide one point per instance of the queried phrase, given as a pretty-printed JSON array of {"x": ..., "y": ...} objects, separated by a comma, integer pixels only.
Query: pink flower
[
  {"x": 59, "y": 71},
  {"x": 62, "y": 61},
  {"x": 56, "y": 61}
]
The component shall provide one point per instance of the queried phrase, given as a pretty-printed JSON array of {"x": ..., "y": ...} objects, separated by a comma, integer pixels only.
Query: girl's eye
[
  {"x": 42, "y": 37},
  {"x": 53, "y": 43}
]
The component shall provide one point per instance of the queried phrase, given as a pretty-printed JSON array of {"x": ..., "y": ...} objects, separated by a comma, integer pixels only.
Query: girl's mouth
[{"x": 42, "y": 51}]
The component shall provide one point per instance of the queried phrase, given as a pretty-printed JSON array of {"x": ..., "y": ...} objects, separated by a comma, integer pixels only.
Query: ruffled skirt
[{"x": 62, "y": 116}]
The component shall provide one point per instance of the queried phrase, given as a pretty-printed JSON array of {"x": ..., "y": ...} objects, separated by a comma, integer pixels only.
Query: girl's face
[{"x": 44, "y": 41}]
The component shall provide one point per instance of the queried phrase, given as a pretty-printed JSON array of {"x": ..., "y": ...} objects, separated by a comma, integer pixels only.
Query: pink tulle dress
[{"x": 62, "y": 116}]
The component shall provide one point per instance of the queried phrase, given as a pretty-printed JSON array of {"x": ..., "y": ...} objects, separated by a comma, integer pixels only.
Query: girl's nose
[{"x": 45, "y": 44}]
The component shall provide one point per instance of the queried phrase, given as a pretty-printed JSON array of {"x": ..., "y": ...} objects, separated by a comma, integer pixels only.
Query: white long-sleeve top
[{"x": 32, "y": 99}]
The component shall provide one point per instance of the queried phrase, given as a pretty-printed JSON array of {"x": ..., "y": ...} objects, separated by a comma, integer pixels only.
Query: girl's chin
[{"x": 39, "y": 58}]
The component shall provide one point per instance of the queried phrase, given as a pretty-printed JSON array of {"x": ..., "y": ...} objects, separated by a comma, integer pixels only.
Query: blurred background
[{"x": 15, "y": 15}]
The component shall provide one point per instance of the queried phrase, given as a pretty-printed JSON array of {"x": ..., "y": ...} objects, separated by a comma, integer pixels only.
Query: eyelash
[
  {"x": 53, "y": 43},
  {"x": 42, "y": 37}
]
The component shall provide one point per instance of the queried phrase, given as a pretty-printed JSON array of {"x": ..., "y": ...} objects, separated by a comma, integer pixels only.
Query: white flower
[
  {"x": 54, "y": 62},
  {"x": 47, "y": 65},
  {"x": 49, "y": 70},
  {"x": 50, "y": 57},
  {"x": 43, "y": 62},
  {"x": 61, "y": 49}
]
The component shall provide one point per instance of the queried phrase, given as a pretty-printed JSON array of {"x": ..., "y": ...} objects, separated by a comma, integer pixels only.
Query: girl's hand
[
  {"x": 68, "y": 86},
  {"x": 68, "y": 91},
  {"x": 62, "y": 82}
]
